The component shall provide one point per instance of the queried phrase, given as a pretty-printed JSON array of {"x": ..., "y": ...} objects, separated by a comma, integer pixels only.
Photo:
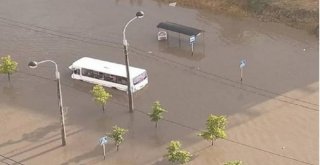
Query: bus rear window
[{"x": 140, "y": 78}]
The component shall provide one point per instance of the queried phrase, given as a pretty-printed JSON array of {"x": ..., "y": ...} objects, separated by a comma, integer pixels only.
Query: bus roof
[{"x": 106, "y": 67}]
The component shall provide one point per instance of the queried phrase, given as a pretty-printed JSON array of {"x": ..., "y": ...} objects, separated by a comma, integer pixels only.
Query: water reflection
[
  {"x": 230, "y": 30},
  {"x": 10, "y": 92},
  {"x": 39, "y": 134}
]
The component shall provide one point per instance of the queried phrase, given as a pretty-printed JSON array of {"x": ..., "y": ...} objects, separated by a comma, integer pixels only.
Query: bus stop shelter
[{"x": 181, "y": 29}]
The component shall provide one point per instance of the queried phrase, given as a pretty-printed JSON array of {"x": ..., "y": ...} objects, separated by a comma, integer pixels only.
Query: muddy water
[{"x": 279, "y": 59}]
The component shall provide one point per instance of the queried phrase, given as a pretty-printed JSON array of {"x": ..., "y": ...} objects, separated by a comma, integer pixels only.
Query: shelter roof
[{"x": 190, "y": 31}]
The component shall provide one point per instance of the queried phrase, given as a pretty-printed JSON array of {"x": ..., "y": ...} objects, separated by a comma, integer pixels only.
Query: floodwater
[{"x": 281, "y": 71}]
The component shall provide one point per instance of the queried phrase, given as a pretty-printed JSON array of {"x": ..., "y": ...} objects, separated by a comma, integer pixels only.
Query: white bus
[{"x": 108, "y": 74}]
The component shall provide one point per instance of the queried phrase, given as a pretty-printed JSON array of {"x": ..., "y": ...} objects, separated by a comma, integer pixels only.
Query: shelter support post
[
  {"x": 192, "y": 48},
  {"x": 204, "y": 45},
  {"x": 179, "y": 41}
]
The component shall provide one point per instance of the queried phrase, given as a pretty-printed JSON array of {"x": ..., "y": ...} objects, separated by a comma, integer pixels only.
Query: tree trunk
[
  {"x": 156, "y": 124},
  {"x": 212, "y": 142},
  {"x": 9, "y": 77},
  {"x": 117, "y": 147},
  {"x": 102, "y": 107}
]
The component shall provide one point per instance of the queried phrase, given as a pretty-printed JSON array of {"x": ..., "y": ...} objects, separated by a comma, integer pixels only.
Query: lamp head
[
  {"x": 139, "y": 14},
  {"x": 33, "y": 64}
]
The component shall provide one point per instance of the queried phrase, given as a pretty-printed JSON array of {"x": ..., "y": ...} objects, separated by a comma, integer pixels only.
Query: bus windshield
[{"x": 140, "y": 78}]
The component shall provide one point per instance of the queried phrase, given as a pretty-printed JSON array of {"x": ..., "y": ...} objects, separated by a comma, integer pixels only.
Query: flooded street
[{"x": 272, "y": 116}]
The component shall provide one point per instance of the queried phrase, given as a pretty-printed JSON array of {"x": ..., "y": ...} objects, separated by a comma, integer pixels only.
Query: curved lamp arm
[
  {"x": 139, "y": 14},
  {"x": 125, "y": 42},
  {"x": 34, "y": 64}
]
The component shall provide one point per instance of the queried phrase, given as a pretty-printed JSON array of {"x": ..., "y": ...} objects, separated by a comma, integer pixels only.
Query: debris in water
[
  {"x": 195, "y": 67},
  {"x": 150, "y": 52},
  {"x": 173, "y": 4}
]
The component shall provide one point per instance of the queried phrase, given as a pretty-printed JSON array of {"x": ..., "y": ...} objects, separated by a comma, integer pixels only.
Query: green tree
[
  {"x": 101, "y": 96},
  {"x": 8, "y": 66},
  {"x": 235, "y": 162},
  {"x": 215, "y": 128},
  {"x": 157, "y": 112},
  {"x": 176, "y": 155},
  {"x": 117, "y": 135}
]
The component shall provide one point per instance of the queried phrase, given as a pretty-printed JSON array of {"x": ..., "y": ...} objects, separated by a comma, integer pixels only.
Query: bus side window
[
  {"x": 87, "y": 73},
  {"x": 122, "y": 80},
  {"x": 84, "y": 72},
  {"x": 106, "y": 77},
  {"x": 113, "y": 78},
  {"x": 76, "y": 71},
  {"x": 101, "y": 76},
  {"x": 110, "y": 78}
]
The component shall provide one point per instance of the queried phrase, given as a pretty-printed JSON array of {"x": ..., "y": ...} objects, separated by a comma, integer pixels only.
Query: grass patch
[{"x": 301, "y": 14}]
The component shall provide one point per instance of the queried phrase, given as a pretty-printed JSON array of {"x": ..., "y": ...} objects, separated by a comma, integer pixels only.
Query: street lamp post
[
  {"x": 139, "y": 14},
  {"x": 34, "y": 64}
]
